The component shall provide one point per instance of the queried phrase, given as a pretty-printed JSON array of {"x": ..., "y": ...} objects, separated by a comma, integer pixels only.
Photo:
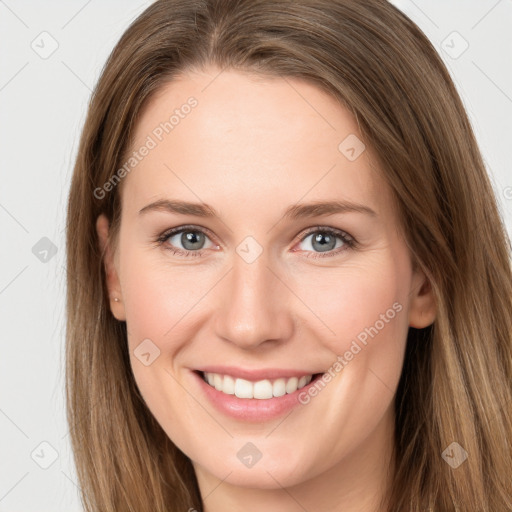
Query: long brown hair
[{"x": 457, "y": 374}]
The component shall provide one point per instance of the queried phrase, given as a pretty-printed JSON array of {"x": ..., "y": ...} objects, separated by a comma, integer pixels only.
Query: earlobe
[
  {"x": 422, "y": 307},
  {"x": 112, "y": 278}
]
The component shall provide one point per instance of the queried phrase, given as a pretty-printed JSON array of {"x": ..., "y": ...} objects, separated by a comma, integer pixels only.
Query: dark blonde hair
[{"x": 457, "y": 374}]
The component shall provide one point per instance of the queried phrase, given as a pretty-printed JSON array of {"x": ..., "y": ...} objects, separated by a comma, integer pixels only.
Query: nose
[{"x": 254, "y": 306}]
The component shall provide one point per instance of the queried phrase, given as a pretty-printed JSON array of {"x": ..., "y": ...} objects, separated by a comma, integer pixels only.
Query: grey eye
[
  {"x": 190, "y": 240},
  {"x": 322, "y": 241}
]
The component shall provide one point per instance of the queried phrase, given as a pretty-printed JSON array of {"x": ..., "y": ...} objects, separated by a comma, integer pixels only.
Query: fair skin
[{"x": 250, "y": 149}]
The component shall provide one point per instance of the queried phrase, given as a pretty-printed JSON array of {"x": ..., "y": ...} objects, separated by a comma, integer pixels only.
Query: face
[{"x": 255, "y": 285}]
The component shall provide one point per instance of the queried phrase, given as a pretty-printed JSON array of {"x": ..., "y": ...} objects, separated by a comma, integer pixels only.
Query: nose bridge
[{"x": 252, "y": 309}]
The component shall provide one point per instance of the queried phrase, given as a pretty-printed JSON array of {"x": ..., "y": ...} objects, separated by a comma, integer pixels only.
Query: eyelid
[
  {"x": 325, "y": 229},
  {"x": 349, "y": 241},
  {"x": 186, "y": 227},
  {"x": 162, "y": 238}
]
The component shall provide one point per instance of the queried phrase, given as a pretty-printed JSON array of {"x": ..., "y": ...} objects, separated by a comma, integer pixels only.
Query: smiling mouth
[{"x": 261, "y": 390}]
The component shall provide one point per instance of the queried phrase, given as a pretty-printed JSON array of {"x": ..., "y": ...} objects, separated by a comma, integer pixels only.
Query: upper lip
[{"x": 254, "y": 374}]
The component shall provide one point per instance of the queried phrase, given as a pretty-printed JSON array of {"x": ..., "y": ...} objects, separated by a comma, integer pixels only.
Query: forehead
[{"x": 232, "y": 135}]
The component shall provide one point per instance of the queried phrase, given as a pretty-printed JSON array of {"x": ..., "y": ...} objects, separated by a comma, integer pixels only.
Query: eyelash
[{"x": 348, "y": 241}]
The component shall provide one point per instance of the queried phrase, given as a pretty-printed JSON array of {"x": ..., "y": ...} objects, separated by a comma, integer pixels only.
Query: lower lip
[{"x": 252, "y": 409}]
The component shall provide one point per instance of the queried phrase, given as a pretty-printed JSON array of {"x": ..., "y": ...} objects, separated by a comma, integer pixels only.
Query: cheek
[
  {"x": 348, "y": 304},
  {"x": 157, "y": 296},
  {"x": 365, "y": 305},
  {"x": 166, "y": 305},
  {"x": 158, "y": 302},
  {"x": 169, "y": 304},
  {"x": 354, "y": 299}
]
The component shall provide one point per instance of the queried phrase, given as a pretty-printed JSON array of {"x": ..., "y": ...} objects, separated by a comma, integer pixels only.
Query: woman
[{"x": 289, "y": 285}]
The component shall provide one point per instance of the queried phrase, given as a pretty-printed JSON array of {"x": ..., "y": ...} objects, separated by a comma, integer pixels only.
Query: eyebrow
[{"x": 296, "y": 211}]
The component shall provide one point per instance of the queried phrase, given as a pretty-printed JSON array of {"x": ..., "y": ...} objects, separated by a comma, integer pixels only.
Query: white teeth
[
  {"x": 228, "y": 385},
  {"x": 262, "y": 389},
  {"x": 292, "y": 384},
  {"x": 217, "y": 381},
  {"x": 243, "y": 388},
  {"x": 279, "y": 387}
]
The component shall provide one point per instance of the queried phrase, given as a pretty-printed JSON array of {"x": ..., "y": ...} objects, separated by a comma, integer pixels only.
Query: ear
[
  {"x": 422, "y": 305},
  {"x": 113, "y": 284}
]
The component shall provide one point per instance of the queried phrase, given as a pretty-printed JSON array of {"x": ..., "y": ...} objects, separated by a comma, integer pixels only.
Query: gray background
[{"x": 43, "y": 98}]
